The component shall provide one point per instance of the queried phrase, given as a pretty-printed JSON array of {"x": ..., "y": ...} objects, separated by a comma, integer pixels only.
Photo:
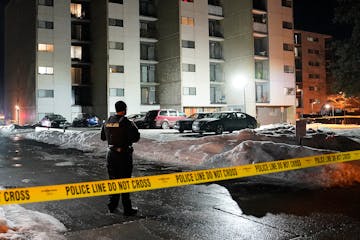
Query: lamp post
[
  {"x": 17, "y": 108},
  {"x": 240, "y": 82},
  {"x": 327, "y": 106}
]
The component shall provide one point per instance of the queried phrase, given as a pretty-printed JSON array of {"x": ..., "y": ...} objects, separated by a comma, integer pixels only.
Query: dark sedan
[
  {"x": 186, "y": 124},
  {"x": 224, "y": 121},
  {"x": 53, "y": 121},
  {"x": 86, "y": 120}
]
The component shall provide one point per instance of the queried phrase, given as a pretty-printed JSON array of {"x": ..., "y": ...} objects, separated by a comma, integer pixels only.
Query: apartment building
[
  {"x": 73, "y": 56},
  {"x": 311, "y": 61}
]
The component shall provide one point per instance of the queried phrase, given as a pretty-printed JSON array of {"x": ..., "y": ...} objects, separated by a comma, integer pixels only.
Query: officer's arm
[
  {"x": 103, "y": 135},
  {"x": 134, "y": 133}
]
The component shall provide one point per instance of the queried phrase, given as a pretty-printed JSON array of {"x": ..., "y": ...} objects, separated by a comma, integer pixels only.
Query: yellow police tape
[{"x": 106, "y": 187}]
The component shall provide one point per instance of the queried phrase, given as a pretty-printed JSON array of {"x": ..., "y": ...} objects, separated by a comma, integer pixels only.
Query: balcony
[
  {"x": 146, "y": 33},
  {"x": 215, "y": 12},
  {"x": 216, "y": 51},
  {"x": 215, "y": 30},
  {"x": 80, "y": 33},
  {"x": 261, "y": 53}
]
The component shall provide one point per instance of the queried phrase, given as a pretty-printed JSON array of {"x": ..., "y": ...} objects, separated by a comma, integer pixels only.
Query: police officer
[{"x": 120, "y": 134}]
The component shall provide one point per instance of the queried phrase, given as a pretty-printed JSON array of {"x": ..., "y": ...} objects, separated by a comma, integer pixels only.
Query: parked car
[
  {"x": 135, "y": 116},
  {"x": 163, "y": 118},
  {"x": 141, "y": 122},
  {"x": 224, "y": 121},
  {"x": 54, "y": 121},
  {"x": 86, "y": 120},
  {"x": 186, "y": 124}
]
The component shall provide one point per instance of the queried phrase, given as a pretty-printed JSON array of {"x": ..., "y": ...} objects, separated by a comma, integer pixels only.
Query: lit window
[
  {"x": 42, "y": 47},
  {"x": 188, "y": 21},
  {"x": 116, "y": 92},
  {"x": 46, "y": 70},
  {"x": 116, "y": 69},
  {"x": 76, "y": 10},
  {"x": 76, "y": 75},
  {"x": 76, "y": 52},
  {"x": 190, "y": 91},
  {"x": 116, "y": 22},
  {"x": 188, "y": 67},
  {"x": 312, "y": 39},
  {"x": 116, "y": 45},
  {"x": 45, "y": 93}
]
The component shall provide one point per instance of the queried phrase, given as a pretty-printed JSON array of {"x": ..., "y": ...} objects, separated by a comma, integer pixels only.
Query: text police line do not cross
[{"x": 107, "y": 187}]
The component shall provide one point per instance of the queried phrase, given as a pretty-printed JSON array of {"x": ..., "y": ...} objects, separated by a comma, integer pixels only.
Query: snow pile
[{"x": 20, "y": 224}]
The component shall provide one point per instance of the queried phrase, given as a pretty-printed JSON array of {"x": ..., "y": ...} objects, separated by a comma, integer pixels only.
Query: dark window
[
  {"x": 116, "y": 22},
  {"x": 187, "y": 44},
  {"x": 190, "y": 91},
  {"x": 288, "y": 47},
  {"x": 286, "y": 3},
  {"x": 314, "y": 64},
  {"x": 46, "y": 2},
  {"x": 116, "y": 92},
  {"x": 314, "y": 76},
  {"x": 45, "y": 24},
  {"x": 116, "y": 1},
  {"x": 116, "y": 69},
  {"x": 214, "y": 2},
  {"x": 188, "y": 67},
  {"x": 116, "y": 45},
  {"x": 287, "y": 25}
]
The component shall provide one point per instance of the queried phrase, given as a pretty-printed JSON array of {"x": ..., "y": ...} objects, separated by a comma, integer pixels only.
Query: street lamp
[
  {"x": 327, "y": 106},
  {"x": 17, "y": 108}
]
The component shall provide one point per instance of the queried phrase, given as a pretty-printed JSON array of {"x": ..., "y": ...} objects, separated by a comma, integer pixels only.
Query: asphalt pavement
[{"x": 253, "y": 208}]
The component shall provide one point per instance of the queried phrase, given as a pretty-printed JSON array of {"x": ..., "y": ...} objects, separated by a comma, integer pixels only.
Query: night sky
[
  {"x": 309, "y": 15},
  {"x": 2, "y": 3},
  {"x": 317, "y": 16}
]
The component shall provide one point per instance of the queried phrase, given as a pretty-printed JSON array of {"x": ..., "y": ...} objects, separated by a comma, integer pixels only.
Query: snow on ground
[
  {"x": 267, "y": 143},
  {"x": 18, "y": 223}
]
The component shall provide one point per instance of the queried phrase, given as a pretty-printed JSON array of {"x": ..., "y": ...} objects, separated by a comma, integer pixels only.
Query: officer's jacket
[{"x": 119, "y": 131}]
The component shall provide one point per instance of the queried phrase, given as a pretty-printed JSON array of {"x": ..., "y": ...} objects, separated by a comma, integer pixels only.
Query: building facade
[
  {"x": 311, "y": 60},
  {"x": 73, "y": 56}
]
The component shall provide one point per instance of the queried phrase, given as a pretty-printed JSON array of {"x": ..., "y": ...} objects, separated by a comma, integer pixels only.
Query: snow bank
[
  {"x": 268, "y": 143},
  {"x": 18, "y": 223}
]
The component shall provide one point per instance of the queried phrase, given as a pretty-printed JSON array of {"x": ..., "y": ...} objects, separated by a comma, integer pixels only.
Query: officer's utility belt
[{"x": 121, "y": 149}]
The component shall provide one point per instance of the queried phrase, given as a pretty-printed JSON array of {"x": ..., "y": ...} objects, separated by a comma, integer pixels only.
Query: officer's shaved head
[{"x": 120, "y": 106}]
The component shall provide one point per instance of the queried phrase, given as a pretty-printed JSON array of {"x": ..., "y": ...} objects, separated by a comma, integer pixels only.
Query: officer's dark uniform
[{"x": 120, "y": 133}]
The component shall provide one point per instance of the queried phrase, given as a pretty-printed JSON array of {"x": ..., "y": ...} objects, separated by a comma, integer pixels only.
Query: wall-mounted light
[{"x": 17, "y": 108}]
